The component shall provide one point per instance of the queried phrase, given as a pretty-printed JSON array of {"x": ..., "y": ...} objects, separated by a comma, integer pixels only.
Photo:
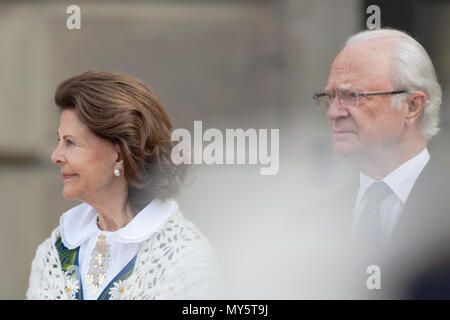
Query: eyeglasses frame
[{"x": 357, "y": 94}]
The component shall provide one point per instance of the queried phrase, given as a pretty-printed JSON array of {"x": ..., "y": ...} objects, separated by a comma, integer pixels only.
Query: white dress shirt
[
  {"x": 401, "y": 181},
  {"x": 79, "y": 228}
]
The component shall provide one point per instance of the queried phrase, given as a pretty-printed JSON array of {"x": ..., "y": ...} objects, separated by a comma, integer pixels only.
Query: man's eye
[
  {"x": 70, "y": 142},
  {"x": 348, "y": 94}
]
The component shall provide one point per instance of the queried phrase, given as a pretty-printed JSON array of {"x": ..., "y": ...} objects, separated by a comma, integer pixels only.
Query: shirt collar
[
  {"x": 402, "y": 179},
  {"x": 80, "y": 223}
]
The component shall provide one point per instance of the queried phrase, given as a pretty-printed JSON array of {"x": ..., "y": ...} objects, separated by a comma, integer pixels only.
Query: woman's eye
[{"x": 70, "y": 142}]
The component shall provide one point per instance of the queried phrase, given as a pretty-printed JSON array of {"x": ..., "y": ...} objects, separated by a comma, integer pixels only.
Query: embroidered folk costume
[{"x": 158, "y": 255}]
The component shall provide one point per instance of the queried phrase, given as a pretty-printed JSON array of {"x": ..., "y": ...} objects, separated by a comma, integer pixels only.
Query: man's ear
[{"x": 415, "y": 104}]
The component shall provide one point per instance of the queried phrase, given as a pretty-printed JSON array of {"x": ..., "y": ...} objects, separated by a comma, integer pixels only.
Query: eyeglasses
[{"x": 347, "y": 98}]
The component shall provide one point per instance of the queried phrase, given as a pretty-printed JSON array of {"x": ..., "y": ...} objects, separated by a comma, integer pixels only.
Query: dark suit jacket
[{"x": 418, "y": 244}]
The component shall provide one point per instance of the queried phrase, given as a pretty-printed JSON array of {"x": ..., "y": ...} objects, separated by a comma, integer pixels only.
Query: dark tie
[{"x": 369, "y": 233}]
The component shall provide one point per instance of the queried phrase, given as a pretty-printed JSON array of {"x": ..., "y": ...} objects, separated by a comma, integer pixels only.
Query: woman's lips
[{"x": 68, "y": 176}]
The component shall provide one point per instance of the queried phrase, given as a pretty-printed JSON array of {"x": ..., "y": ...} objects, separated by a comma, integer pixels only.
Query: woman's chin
[{"x": 69, "y": 194}]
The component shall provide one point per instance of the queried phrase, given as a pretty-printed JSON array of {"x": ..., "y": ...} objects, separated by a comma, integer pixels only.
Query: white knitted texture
[{"x": 176, "y": 262}]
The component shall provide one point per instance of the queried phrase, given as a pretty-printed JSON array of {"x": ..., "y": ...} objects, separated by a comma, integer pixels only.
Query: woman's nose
[{"x": 57, "y": 156}]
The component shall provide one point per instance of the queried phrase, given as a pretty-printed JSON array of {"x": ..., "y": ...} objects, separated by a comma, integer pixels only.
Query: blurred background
[{"x": 231, "y": 64}]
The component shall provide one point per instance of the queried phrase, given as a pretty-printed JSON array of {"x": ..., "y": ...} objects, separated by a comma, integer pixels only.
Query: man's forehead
[{"x": 362, "y": 65}]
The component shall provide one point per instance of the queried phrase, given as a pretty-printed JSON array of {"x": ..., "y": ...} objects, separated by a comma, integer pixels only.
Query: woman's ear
[
  {"x": 119, "y": 158},
  {"x": 415, "y": 103}
]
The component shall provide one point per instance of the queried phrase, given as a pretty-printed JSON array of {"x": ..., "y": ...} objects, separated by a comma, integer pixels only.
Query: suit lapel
[
  {"x": 421, "y": 208},
  {"x": 336, "y": 212},
  {"x": 329, "y": 216}
]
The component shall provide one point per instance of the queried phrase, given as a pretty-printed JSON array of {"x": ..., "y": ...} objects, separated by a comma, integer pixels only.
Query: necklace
[{"x": 98, "y": 263}]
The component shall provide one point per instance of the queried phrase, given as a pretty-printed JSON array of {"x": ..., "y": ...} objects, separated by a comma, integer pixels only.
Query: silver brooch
[{"x": 98, "y": 264}]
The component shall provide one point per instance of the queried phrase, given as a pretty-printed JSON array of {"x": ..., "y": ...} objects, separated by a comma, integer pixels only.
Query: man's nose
[
  {"x": 57, "y": 156},
  {"x": 337, "y": 110}
]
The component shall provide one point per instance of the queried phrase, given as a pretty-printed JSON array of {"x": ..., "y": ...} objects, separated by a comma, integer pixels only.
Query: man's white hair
[{"x": 412, "y": 70}]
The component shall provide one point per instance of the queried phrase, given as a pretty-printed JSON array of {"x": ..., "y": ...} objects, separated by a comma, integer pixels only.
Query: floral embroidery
[
  {"x": 117, "y": 291},
  {"x": 72, "y": 285}
]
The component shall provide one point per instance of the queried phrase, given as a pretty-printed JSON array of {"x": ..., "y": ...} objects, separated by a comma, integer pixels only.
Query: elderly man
[{"x": 382, "y": 100}]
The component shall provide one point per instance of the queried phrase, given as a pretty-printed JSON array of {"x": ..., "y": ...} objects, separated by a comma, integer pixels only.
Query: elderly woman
[{"x": 127, "y": 240}]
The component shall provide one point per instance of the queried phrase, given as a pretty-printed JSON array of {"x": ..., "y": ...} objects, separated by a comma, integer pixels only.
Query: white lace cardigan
[{"x": 176, "y": 262}]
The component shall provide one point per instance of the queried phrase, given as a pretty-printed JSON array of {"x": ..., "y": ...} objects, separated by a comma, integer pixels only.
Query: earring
[{"x": 117, "y": 172}]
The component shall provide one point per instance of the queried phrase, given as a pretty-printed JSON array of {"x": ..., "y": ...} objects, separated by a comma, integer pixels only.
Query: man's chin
[{"x": 345, "y": 149}]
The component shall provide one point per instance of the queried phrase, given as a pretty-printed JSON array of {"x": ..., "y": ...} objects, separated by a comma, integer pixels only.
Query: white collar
[
  {"x": 80, "y": 223},
  {"x": 402, "y": 179}
]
